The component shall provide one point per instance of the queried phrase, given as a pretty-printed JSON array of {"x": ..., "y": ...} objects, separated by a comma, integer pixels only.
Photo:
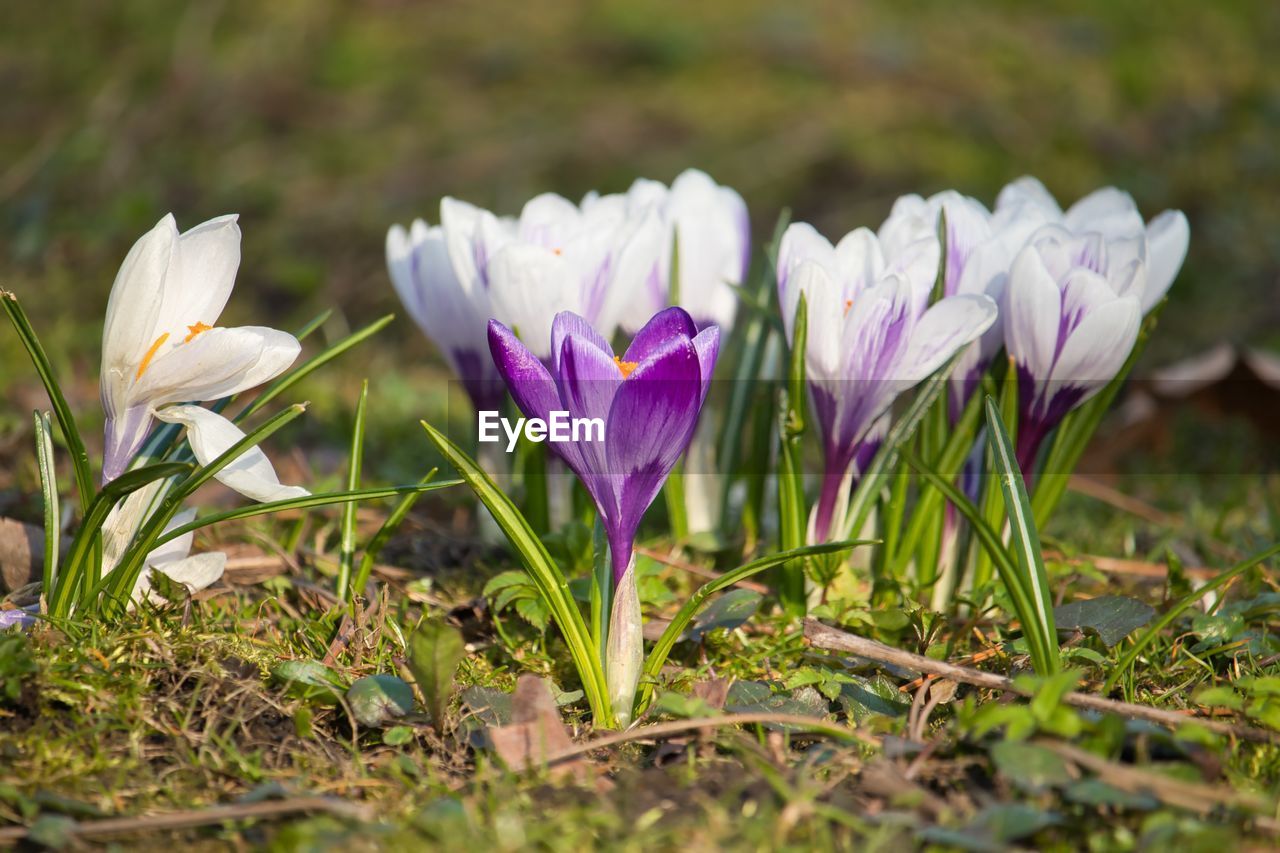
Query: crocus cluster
[
  {"x": 1070, "y": 289},
  {"x": 609, "y": 260}
]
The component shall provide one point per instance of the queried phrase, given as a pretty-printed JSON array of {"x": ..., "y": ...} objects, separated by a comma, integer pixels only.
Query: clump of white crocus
[{"x": 161, "y": 343}]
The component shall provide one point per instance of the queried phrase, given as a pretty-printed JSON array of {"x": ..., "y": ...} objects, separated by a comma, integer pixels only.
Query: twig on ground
[
  {"x": 833, "y": 639},
  {"x": 1192, "y": 796},
  {"x": 1137, "y": 568},
  {"x": 203, "y": 817}
]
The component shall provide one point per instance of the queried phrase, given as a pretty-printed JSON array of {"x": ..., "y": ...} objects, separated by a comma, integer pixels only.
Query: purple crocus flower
[
  {"x": 648, "y": 400},
  {"x": 20, "y": 617},
  {"x": 1070, "y": 321}
]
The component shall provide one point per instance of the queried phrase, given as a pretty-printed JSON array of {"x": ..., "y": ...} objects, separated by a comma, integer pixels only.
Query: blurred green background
[{"x": 322, "y": 123}]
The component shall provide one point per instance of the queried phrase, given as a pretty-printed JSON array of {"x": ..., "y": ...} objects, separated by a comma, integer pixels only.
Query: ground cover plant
[{"x": 841, "y": 540}]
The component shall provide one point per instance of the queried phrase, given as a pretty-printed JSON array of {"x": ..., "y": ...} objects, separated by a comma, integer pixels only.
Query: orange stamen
[
  {"x": 557, "y": 251},
  {"x": 625, "y": 367},
  {"x": 195, "y": 330},
  {"x": 151, "y": 353},
  {"x": 848, "y": 303}
]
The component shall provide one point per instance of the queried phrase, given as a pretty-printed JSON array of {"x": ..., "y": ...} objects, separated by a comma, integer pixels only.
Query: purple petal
[
  {"x": 125, "y": 436},
  {"x": 588, "y": 382},
  {"x": 667, "y": 324},
  {"x": 650, "y": 425},
  {"x": 527, "y": 379},
  {"x": 707, "y": 345},
  {"x": 567, "y": 323}
]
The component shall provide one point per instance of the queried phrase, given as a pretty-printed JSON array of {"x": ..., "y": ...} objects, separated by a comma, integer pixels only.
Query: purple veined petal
[
  {"x": 1098, "y": 344},
  {"x": 588, "y": 381},
  {"x": 567, "y": 323},
  {"x": 650, "y": 425},
  {"x": 707, "y": 345},
  {"x": 1034, "y": 308},
  {"x": 531, "y": 385},
  {"x": 19, "y": 617},
  {"x": 944, "y": 330},
  {"x": 125, "y": 434},
  {"x": 1168, "y": 236},
  {"x": 664, "y": 326}
]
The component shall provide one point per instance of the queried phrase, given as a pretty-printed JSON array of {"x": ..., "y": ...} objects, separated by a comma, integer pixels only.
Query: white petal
[
  {"x": 801, "y": 242},
  {"x": 634, "y": 292},
  {"x": 210, "y": 435},
  {"x": 859, "y": 261},
  {"x": 133, "y": 309},
  {"x": 944, "y": 329},
  {"x": 215, "y": 364},
  {"x": 1168, "y": 236},
  {"x": 202, "y": 275},
  {"x": 1109, "y": 211},
  {"x": 1034, "y": 308},
  {"x": 175, "y": 549},
  {"x": 530, "y": 285},
  {"x": 826, "y": 315},
  {"x": 1027, "y": 194},
  {"x": 1098, "y": 347}
]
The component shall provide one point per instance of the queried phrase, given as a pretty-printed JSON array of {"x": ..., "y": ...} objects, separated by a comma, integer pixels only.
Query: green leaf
[
  {"x": 47, "y": 466},
  {"x": 61, "y": 411},
  {"x": 1110, "y": 617},
  {"x": 1025, "y": 542},
  {"x": 397, "y": 735},
  {"x": 310, "y": 680},
  {"x": 752, "y": 697},
  {"x": 793, "y": 514},
  {"x": 347, "y": 543},
  {"x": 385, "y": 532},
  {"x": 728, "y": 611},
  {"x": 435, "y": 650},
  {"x": 1029, "y": 766},
  {"x": 551, "y": 582},
  {"x": 1220, "y": 697},
  {"x": 375, "y": 699}
]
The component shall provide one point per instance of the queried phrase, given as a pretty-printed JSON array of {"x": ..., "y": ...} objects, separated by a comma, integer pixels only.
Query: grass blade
[
  {"x": 388, "y": 528},
  {"x": 793, "y": 513},
  {"x": 307, "y": 502},
  {"x": 1179, "y": 607},
  {"x": 49, "y": 496},
  {"x": 546, "y": 575},
  {"x": 1024, "y": 609},
  {"x": 347, "y": 546},
  {"x": 1024, "y": 538},
  {"x": 79, "y": 455},
  {"x": 284, "y": 383}
]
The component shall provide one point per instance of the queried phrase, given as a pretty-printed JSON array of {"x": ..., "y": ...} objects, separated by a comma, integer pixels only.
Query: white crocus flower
[
  {"x": 211, "y": 435},
  {"x": 1160, "y": 246},
  {"x": 561, "y": 257},
  {"x": 710, "y": 226},
  {"x": 160, "y": 342}
]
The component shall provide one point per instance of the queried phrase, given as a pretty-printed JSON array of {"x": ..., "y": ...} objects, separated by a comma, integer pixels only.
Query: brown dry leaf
[
  {"x": 713, "y": 691},
  {"x": 21, "y": 554},
  {"x": 536, "y": 735}
]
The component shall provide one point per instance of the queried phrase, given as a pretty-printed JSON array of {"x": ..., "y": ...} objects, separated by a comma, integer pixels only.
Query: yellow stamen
[
  {"x": 625, "y": 367},
  {"x": 195, "y": 330},
  {"x": 151, "y": 353}
]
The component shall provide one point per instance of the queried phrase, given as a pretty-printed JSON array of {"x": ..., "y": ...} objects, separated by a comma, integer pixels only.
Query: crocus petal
[
  {"x": 800, "y": 242},
  {"x": 132, "y": 310},
  {"x": 1028, "y": 192},
  {"x": 661, "y": 328},
  {"x": 530, "y": 285},
  {"x": 567, "y": 323},
  {"x": 652, "y": 419},
  {"x": 216, "y": 364},
  {"x": 589, "y": 381},
  {"x": 210, "y": 435},
  {"x": 1099, "y": 345},
  {"x": 826, "y": 317},
  {"x": 944, "y": 330},
  {"x": 178, "y": 548},
  {"x": 1034, "y": 310},
  {"x": 531, "y": 386},
  {"x": 201, "y": 280},
  {"x": 707, "y": 344},
  {"x": 1168, "y": 236},
  {"x": 125, "y": 434}
]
